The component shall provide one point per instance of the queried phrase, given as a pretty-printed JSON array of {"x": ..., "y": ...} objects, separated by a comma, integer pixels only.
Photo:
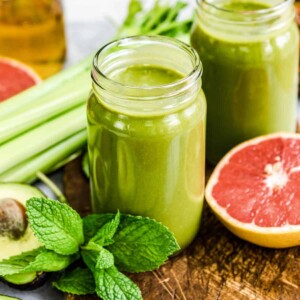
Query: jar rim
[
  {"x": 193, "y": 75},
  {"x": 282, "y": 4}
]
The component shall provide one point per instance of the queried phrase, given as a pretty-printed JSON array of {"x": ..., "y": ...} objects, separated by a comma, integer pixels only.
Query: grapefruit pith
[
  {"x": 255, "y": 190},
  {"x": 15, "y": 77}
]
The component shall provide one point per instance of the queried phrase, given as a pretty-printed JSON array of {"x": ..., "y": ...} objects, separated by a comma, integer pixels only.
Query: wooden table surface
[{"x": 217, "y": 265}]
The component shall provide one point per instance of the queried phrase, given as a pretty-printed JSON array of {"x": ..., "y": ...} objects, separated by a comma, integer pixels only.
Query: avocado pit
[{"x": 13, "y": 220}]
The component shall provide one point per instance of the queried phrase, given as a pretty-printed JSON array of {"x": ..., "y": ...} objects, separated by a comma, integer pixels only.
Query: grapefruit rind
[{"x": 271, "y": 237}]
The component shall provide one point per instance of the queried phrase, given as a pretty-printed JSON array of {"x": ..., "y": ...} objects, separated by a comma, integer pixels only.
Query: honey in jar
[{"x": 33, "y": 31}]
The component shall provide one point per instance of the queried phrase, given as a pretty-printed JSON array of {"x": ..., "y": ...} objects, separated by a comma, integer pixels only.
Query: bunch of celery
[{"x": 43, "y": 126}]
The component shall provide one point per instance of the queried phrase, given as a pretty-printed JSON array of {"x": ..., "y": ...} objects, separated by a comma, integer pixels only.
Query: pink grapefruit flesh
[
  {"x": 255, "y": 190},
  {"x": 15, "y": 77}
]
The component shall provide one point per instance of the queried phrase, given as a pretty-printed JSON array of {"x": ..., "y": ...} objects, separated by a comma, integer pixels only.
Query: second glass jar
[
  {"x": 146, "y": 132},
  {"x": 249, "y": 50}
]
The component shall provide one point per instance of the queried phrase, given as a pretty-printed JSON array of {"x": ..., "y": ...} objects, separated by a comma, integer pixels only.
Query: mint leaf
[
  {"x": 38, "y": 260},
  {"x": 104, "y": 260},
  {"x": 49, "y": 261},
  {"x": 105, "y": 234},
  {"x": 100, "y": 258},
  {"x": 141, "y": 244},
  {"x": 92, "y": 223},
  {"x": 77, "y": 282},
  {"x": 55, "y": 224},
  {"x": 113, "y": 285},
  {"x": 90, "y": 258},
  {"x": 16, "y": 264}
]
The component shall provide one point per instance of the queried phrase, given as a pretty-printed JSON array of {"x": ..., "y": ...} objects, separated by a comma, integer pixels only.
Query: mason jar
[
  {"x": 249, "y": 51},
  {"x": 146, "y": 132}
]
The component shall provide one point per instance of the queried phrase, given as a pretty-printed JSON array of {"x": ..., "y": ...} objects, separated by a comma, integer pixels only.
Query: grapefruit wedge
[
  {"x": 255, "y": 190},
  {"x": 15, "y": 77}
]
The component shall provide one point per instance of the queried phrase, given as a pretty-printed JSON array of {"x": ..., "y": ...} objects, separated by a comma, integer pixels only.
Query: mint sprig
[{"x": 106, "y": 243}]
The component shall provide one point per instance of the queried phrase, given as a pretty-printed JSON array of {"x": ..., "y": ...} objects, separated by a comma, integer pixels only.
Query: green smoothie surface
[
  {"x": 240, "y": 6},
  {"x": 145, "y": 76}
]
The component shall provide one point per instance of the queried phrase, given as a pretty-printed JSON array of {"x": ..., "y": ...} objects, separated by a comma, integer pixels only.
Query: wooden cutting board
[{"x": 217, "y": 265}]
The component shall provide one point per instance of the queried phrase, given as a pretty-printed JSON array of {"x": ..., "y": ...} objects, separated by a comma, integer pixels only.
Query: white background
[{"x": 92, "y": 23}]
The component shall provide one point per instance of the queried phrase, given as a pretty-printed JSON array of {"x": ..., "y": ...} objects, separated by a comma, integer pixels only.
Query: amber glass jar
[{"x": 33, "y": 32}]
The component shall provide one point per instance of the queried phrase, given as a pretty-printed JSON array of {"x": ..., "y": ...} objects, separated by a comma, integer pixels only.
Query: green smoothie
[
  {"x": 250, "y": 80},
  {"x": 149, "y": 165}
]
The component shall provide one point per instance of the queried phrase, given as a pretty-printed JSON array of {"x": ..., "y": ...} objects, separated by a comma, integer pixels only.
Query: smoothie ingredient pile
[{"x": 107, "y": 244}]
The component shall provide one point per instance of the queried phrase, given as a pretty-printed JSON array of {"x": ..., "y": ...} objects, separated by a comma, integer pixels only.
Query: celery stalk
[
  {"x": 27, "y": 119},
  {"x": 40, "y": 138},
  {"x": 56, "y": 86},
  {"x": 26, "y": 171}
]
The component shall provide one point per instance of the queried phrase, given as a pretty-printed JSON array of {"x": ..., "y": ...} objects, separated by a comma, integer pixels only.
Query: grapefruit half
[
  {"x": 15, "y": 77},
  {"x": 255, "y": 190}
]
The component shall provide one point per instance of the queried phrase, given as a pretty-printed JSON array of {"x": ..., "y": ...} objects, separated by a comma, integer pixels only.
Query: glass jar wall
[
  {"x": 249, "y": 50},
  {"x": 146, "y": 132}
]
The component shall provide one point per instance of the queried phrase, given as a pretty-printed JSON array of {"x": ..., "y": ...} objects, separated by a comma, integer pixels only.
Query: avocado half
[{"x": 16, "y": 235}]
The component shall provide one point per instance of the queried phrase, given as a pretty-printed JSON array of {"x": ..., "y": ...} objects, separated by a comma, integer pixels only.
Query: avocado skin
[{"x": 38, "y": 281}]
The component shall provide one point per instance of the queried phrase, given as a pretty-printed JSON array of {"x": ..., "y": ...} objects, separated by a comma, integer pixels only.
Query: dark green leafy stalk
[
  {"x": 76, "y": 282},
  {"x": 134, "y": 7},
  {"x": 160, "y": 19},
  {"x": 174, "y": 12},
  {"x": 167, "y": 29},
  {"x": 155, "y": 17}
]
